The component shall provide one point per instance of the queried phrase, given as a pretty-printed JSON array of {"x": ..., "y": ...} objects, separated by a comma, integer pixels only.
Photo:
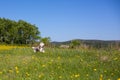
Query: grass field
[{"x": 21, "y": 63}]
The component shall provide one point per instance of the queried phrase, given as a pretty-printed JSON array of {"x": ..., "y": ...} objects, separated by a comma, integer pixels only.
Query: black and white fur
[{"x": 39, "y": 48}]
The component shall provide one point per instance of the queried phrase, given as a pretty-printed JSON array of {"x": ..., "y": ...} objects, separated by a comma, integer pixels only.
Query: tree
[
  {"x": 20, "y": 32},
  {"x": 27, "y": 32},
  {"x": 46, "y": 40},
  {"x": 74, "y": 43}
]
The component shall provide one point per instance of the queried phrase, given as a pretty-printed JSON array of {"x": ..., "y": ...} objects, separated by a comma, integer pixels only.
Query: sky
[{"x": 64, "y": 20}]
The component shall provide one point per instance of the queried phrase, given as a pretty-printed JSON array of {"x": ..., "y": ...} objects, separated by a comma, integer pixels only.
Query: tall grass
[{"x": 59, "y": 64}]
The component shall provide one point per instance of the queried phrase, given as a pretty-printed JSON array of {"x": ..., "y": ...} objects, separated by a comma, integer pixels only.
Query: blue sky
[{"x": 63, "y": 20}]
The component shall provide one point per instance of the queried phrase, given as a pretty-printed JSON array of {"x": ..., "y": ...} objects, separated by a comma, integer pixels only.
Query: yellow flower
[
  {"x": 27, "y": 74},
  {"x": 115, "y": 58},
  {"x": 1, "y": 72},
  {"x": 81, "y": 59},
  {"x": 118, "y": 79},
  {"x": 71, "y": 76},
  {"x": 60, "y": 77},
  {"x": 58, "y": 67},
  {"x": 16, "y": 68},
  {"x": 10, "y": 71},
  {"x": 41, "y": 75},
  {"x": 43, "y": 65},
  {"x": 58, "y": 58},
  {"x": 101, "y": 77},
  {"x": 112, "y": 74},
  {"x": 35, "y": 69},
  {"x": 105, "y": 71},
  {"x": 87, "y": 74},
  {"x": 4, "y": 47},
  {"x": 51, "y": 60},
  {"x": 95, "y": 69},
  {"x": 17, "y": 71},
  {"x": 77, "y": 75}
]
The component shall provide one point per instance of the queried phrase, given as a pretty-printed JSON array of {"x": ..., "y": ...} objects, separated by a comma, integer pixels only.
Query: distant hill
[{"x": 93, "y": 43}]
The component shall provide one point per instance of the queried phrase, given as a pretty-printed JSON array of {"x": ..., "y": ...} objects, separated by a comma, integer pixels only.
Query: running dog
[{"x": 39, "y": 48}]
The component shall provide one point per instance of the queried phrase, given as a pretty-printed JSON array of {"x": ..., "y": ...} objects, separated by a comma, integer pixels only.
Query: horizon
[
  {"x": 86, "y": 39},
  {"x": 64, "y": 20}
]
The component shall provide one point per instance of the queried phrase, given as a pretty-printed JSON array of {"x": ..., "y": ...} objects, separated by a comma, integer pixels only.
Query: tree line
[
  {"x": 17, "y": 32},
  {"x": 97, "y": 44}
]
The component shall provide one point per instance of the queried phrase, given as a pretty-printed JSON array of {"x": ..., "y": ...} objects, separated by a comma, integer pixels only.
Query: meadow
[{"x": 21, "y": 63}]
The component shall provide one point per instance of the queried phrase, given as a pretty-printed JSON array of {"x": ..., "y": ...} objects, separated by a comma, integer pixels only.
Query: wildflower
[
  {"x": 16, "y": 68},
  {"x": 112, "y": 74},
  {"x": 27, "y": 74},
  {"x": 43, "y": 65},
  {"x": 118, "y": 79},
  {"x": 115, "y": 59},
  {"x": 35, "y": 69},
  {"x": 105, "y": 71},
  {"x": 60, "y": 77},
  {"x": 95, "y": 69},
  {"x": 51, "y": 60},
  {"x": 41, "y": 75},
  {"x": 1, "y": 72},
  {"x": 81, "y": 59},
  {"x": 17, "y": 71},
  {"x": 88, "y": 65},
  {"x": 101, "y": 77},
  {"x": 10, "y": 71},
  {"x": 87, "y": 75},
  {"x": 77, "y": 75},
  {"x": 71, "y": 76},
  {"x": 58, "y": 67},
  {"x": 58, "y": 58}
]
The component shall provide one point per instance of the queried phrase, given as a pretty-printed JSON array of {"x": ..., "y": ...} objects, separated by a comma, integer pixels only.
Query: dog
[{"x": 39, "y": 48}]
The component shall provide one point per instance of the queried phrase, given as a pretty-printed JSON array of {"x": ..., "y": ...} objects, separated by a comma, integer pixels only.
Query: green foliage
[
  {"x": 74, "y": 43},
  {"x": 59, "y": 64},
  {"x": 98, "y": 44},
  {"x": 20, "y": 32},
  {"x": 46, "y": 40}
]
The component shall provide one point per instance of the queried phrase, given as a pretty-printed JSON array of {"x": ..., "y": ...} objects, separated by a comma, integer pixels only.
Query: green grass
[{"x": 59, "y": 64}]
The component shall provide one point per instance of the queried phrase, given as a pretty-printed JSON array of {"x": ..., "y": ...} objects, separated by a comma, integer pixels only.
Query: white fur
[
  {"x": 42, "y": 44},
  {"x": 39, "y": 48},
  {"x": 42, "y": 50}
]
